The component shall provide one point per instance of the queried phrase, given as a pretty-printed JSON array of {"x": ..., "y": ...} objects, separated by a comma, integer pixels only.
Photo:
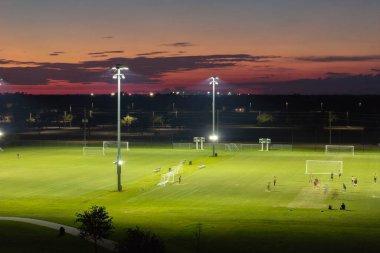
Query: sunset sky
[{"x": 257, "y": 47}]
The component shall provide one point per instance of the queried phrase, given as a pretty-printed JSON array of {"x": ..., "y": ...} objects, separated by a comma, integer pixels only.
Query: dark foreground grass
[
  {"x": 27, "y": 238},
  {"x": 227, "y": 198}
]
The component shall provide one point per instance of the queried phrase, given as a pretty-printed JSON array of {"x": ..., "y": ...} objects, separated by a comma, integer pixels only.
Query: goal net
[
  {"x": 324, "y": 167},
  {"x": 231, "y": 147},
  {"x": 92, "y": 151},
  {"x": 340, "y": 149},
  {"x": 250, "y": 146},
  {"x": 166, "y": 178},
  {"x": 182, "y": 145},
  {"x": 107, "y": 145}
]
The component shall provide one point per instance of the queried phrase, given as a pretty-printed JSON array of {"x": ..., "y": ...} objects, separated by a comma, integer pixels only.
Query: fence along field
[{"x": 228, "y": 196}]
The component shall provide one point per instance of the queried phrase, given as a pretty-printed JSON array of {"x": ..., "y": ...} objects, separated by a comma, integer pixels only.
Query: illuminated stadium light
[
  {"x": 213, "y": 138},
  {"x": 118, "y": 68},
  {"x": 119, "y": 162},
  {"x": 213, "y": 82}
]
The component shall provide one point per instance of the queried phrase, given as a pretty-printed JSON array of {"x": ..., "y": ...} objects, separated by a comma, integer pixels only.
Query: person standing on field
[
  {"x": 311, "y": 178},
  {"x": 274, "y": 180}
]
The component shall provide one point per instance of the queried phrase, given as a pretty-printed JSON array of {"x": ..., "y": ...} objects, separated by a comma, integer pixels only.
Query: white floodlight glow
[
  {"x": 1, "y": 133},
  {"x": 120, "y": 67},
  {"x": 213, "y": 137},
  {"x": 151, "y": 94},
  {"x": 119, "y": 162}
]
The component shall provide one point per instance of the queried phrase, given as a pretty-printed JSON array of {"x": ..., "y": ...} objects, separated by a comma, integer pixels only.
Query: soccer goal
[
  {"x": 182, "y": 145},
  {"x": 124, "y": 145},
  {"x": 231, "y": 147},
  {"x": 339, "y": 149},
  {"x": 324, "y": 167},
  {"x": 92, "y": 151},
  {"x": 250, "y": 146},
  {"x": 166, "y": 178}
]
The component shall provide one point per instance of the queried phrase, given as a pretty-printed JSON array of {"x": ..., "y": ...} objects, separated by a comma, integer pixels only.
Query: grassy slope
[
  {"x": 27, "y": 238},
  {"x": 227, "y": 197}
]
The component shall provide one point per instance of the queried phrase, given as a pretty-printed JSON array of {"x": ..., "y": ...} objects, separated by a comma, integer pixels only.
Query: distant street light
[
  {"x": 118, "y": 68},
  {"x": 213, "y": 137}
]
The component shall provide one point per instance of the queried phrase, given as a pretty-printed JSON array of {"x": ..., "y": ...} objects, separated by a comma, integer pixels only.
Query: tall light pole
[
  {"x": 213, "y": 137},
  {"x": 118, "y": 68}
]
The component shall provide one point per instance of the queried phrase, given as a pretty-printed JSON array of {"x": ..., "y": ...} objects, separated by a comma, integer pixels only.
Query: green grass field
[{"x": 227, "y": 197}]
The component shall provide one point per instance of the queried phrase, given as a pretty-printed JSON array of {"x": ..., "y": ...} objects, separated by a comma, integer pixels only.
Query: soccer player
[
  {"x": 332, "y": 176},
  {"x": 325, "y": 188},
  {"x": 274, "y": 180},
  {"x": 375, "y": 178},
  {"x": 179, "y": 179},
  {"x": 268, "y": 187},
  {"x": 316, "y": 183},
  {"x": 344, "y": 187}
]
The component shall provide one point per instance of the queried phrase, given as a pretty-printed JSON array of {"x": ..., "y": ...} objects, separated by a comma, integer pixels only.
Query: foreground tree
[
  {"x": 95, "y": 224},
  {"x": 140, "y": 241}
]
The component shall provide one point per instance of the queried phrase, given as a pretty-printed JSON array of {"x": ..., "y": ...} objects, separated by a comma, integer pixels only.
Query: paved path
[{"x": 105, "y": 243}]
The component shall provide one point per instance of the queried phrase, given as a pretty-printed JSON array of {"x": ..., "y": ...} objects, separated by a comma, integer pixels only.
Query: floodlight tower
[
  {"x": 213, "y": 137},
  {"x": 118, "y": 68}
]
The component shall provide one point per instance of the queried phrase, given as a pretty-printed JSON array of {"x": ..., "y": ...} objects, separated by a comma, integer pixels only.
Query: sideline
[{"x": 105, "y": 243}]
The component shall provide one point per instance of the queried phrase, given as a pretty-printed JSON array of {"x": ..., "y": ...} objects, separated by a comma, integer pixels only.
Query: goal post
[
  {"x": 166, "y": 178},
  {"x": 92, "y": 151},
  {"x": 182, "y": 145},
  {"x": 340, "y": 149},
  {"x": 324, "y": 167},
  {"x": 231, "y": 147},
  {"x": 124, "y": 145}
]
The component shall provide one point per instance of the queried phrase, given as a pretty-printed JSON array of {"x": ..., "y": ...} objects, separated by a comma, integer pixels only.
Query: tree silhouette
[
  {"x": 264, "y": 118},
  {"x": 95, "y": 224},
  {"x": 128, "y": 120},
  {"x": 140, "y": 241},
  {"x": 158, "y": 120},
  {"x": 67, "y": 117}
]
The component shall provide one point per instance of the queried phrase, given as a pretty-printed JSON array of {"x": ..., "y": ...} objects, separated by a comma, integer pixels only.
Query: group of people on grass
[{"x": 354, "y": 182}]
